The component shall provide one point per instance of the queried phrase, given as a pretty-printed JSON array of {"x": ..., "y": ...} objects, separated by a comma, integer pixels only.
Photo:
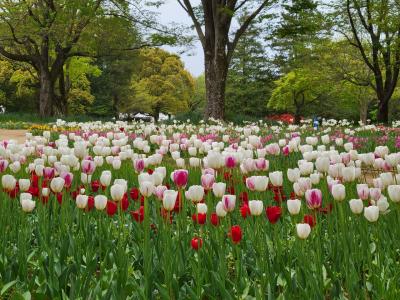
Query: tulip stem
[{"x": 146, "y": 247}]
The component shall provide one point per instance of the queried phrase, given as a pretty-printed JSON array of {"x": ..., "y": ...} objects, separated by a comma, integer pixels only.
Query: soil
[{"x": 11, "y": 134}]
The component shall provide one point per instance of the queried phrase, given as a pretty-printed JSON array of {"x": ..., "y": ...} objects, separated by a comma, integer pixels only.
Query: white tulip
[
  {"x": 220, "y": 210},
  {"x": 256, "y": 207},
  {"x": 371, "y": 213},
  {"x": 146, "y": 188},
  {"x": 195, "y": 193},
  {"x": 303, "y": 230},
  {"x": 81, "y": 201},
  {"x": 8, "y": 182},
  {"x": 276, "y": 178},
  {"x": 169, "y": 199},
  {"x": 356, "y": 206},
  {"x": 394, "y": 192},
  {"x": 24, "y": 184},
  {"x": 57, "y": 184},
  {"x": 339, "y": 192},
  {"x": 201, "y": 208},
  {"x": 100, "y": 202},
  {"x": 293, "y": 206},
  {"x": 219, "y": 189}
]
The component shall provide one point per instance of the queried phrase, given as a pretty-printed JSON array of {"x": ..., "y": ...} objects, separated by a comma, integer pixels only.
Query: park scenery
[{"x": 199, "y": 149}]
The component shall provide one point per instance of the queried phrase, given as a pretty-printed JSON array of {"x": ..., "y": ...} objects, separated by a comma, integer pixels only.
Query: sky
[{"x": 172, "y": 12}]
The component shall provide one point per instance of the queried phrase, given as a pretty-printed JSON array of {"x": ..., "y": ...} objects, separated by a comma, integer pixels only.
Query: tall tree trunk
[
  {"x": 215, "y": 76},
  {"x": 297, "y": 115},
  {"x": 46, "y": 94},
  {"x": 383, "y": 111}
]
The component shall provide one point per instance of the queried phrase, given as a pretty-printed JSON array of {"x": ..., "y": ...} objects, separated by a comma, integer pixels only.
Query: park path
[{"x": 13, "y": 134}]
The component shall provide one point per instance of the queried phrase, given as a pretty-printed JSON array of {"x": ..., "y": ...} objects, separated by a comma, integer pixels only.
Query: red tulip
[
  {"x": 273, "y": 213},
  {"x": 111, "y": 208},
  {"x": 124, "y": 203},
  {"x": 236, "y": 234},
  {"x": 244, "y": 211},
  {"x": 90, "y": 204},
  {"x": 196, "y": 243},
  {"x": 138, "y": 215},
  {"x": 150, "y": 171},
  {"x": 244, "y": 197},
  {"x": 134, "y": 193},
  {"x": 95, "y": 186},
  {"x": 199, "y": 218},
  {"x": 214, "y": 219},
  {"x": 309, "y": 219},
  {"x": 59, "y": 198}
]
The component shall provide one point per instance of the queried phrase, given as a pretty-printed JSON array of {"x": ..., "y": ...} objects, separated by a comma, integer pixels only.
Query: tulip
[
  {"x": 169, "y": 199},
  {"x": 293, "y": 174},
  {"x": 138, "y": 165},
  {"x": 26, "y": 202},
  {"x": 8, "y": 182},
  {"x": 356, "y": 206},
  {"x": 220, "y": 209},
  {"x": 180, "y": 177},
  {"x": 387, "y": 178},
  {"x": 195, "y": 193},
  {"x": 236, "y": 234},
  {"x": 201, "y": 208},
  {"x": 363, "y": 191},
  {"x": 24, "y": 184},
  {"x": 394, "y": 192},
  {"x": 256, "y": 207},
  {"x": 315, "y": 178},
  {"x": 159, "y": 191},
  {"x": 273, "y": 213},
  {"x": 293, "y": 206},
  {"x": 85, "y": 178},
  {"x": 196, "y": 243},
  {"x": 371, "y": 213},
  {"x": 322, "y": 164},
  {"x": 349, "y": 174},
  {"x": 81, "y": 201},
  {"x": 303, "y": 230},
  {"x": 229, "y": 202},
  {"x": 382, "y": 204},
  {"x": 375, "y": 193},
  {"x": 230, "y": 161},
  {"x": 105, "y": 178},
  {"x": 117, "y": 192},
  {"x": 88, "y": 166},
  {"x": 57, "y": 184},
  {"x": 45, "y": 192},
  {"x": 68, "y": 177},
  {"x": 100, "y": 202},
  {"x": 194, "y": 162},
  {"x": 207, "y": 181},
  {"x": 219, "y": 189},
  {"x": 3, "y": 165},
  {"x": 276, "y": 178},
  {"x": 262, "y": 164},
  {"x": 146, "y": 188},
  {"x": 313, "y": 198},
  {"x": 338, "y": 192},
  {"x": 257, "y": 183},
  {"x": 116, "y": 164}
]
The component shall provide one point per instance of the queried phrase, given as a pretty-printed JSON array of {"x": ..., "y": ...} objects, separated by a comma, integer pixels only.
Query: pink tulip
[
  {"x": 229, "y": 202},
  {"x": 208, "y": 171},
  {"x": 375, "y": 193},
  {"x": 363, "y": 191},
  {"x": 88, "y": 166},
  {"x": 314, "y": 198},
  {"x": 3, "y": 165},
  {"x": 230, "y": 161},
  {"x": 159, "y": 191},
  {"x": 49, "y": 172},
  {"x": 180, "y": 177},
  {"x": 207, "y": 181},
  {"x": 262, "y": 164},
  {"x": 250, "y": 184},
  {"x": 138, "y": 165},
  {"x": 67, "y": 176}
]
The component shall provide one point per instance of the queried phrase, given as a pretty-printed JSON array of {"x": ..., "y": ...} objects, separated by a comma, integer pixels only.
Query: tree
[
  {"x": 374, "y": 27},
  {"x": 197, "y": 101},
  {"x": 161, "y": 84},
  {"x": 213, "y": 21},
  {"x": 295, "y": 91},
  {"x": 250, "y": 76}
]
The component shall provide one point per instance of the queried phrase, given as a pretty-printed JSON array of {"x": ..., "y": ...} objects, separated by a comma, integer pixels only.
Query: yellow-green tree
[{"x": 160, "y": 85}]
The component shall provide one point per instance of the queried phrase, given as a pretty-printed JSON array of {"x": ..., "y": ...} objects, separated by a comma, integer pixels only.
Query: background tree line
[{"x": 333, "y": 59}]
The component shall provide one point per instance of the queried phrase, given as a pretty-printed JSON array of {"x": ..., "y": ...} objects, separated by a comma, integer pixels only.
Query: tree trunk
[
  {"x": 215, "y": 76},
  {"x": 364, "y": 112},
  {"x": 383, "y": 111},
  {"x": 297, "y": 116},
  {"x": 46, "y": 94}
]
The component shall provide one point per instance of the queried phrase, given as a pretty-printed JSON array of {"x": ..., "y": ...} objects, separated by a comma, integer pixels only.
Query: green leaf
[{"x": 7, "y": 286}]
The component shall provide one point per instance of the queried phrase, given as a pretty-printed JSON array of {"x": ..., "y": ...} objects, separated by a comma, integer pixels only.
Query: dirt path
[{"x": 11, "y": 134}]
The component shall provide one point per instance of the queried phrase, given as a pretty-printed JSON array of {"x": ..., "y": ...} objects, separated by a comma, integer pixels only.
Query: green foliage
[
  {"x": 198, "y": 99},
  {"x": 161, "y": 84}
]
